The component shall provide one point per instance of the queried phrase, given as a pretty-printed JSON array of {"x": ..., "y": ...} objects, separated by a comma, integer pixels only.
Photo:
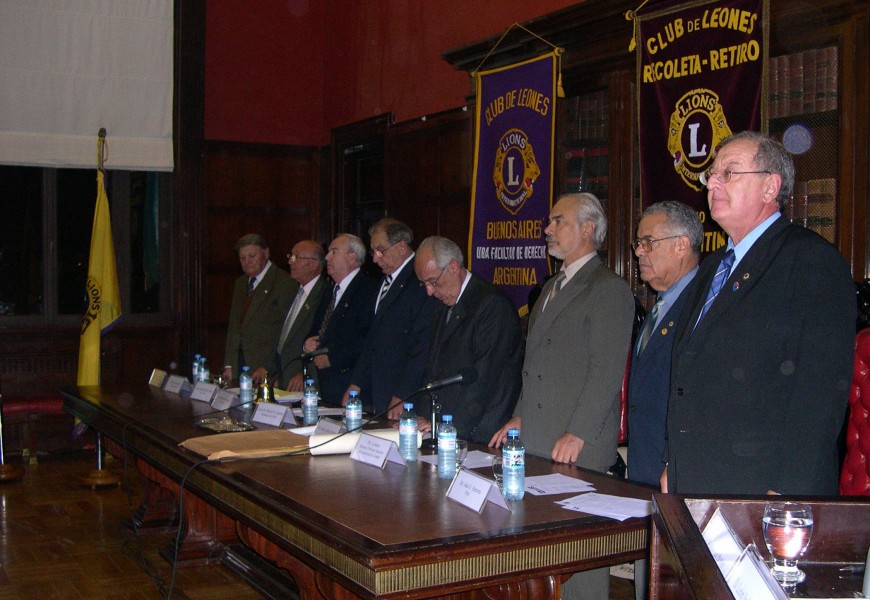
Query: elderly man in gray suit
[{"x": 577, "y": 345}]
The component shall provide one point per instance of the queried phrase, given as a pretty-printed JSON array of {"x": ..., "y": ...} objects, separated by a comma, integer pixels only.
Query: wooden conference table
[{"x": 345, "y": 529}]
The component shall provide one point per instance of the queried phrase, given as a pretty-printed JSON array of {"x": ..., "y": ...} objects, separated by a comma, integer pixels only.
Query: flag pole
[
  {"x": 103, "y": 307},
  {"x": 8, "y": 472}
]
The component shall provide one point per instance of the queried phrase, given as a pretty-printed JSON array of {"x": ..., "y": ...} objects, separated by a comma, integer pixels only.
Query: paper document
[
  {"x": 556, "y": 483},
  {"x": 605, "y": 505}
]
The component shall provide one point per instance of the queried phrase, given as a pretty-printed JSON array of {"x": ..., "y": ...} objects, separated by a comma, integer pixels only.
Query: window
[{"x": 45, "y": 240}]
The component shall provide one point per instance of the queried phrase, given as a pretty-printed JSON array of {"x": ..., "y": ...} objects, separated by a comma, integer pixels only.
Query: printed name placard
[
  {"x": 158, "y": 377},
  {"x": 473, "y": 491},
  {"x": 176, "y": 384},
  {"x": 376, "y": 451},
  {"x": 204, "y": 392},
  {"x": 269, "y": 413},
  {"x": 326, "y": 425},
  {"x": 224, "y": 400}
]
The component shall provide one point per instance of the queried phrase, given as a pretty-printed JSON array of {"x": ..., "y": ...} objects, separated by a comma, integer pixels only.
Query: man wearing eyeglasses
[
  {"x": 668, "y": 248},
  {"x": 393, "y": 360},
  {"x": 341, "y": 322},
  {"x": 474, "y": 326},
  {"x": 762, "y": 356}
]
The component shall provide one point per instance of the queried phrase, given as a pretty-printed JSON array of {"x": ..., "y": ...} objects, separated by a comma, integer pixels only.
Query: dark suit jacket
[
  {"x": 759, "y": 389},
  {"x": 345, "y": 334},
  {"x": 649, "y": 386},
  {"x": 288, "y": 358},
  {"x": 393, "y": 361},
  {"x": 575, "y": 363},
  {"x": 483, "y": 332},
  {"x": 257, "y": 335}
]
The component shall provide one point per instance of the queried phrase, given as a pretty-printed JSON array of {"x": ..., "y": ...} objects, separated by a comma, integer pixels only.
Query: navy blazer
[
  {"x": 345, "y": 334},
  {"x": 649, "y": 385},
  {"x": 393, "y": 361},
  {"x": 759, "y": 389},
  {"x": 483, "y": 332}
]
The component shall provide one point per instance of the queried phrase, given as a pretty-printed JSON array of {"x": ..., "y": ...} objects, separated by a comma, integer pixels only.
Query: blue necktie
[{"x": 718, "y": 281}]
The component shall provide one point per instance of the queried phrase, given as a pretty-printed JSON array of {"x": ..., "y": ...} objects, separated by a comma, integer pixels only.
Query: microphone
[
  {"x": 312, "y": 354},
  {"x": 467, "y": 376}
]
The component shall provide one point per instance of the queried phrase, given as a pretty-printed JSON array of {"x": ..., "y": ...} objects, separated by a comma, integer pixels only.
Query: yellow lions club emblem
[
  {"x": 515, "y": 170},
  {"x": 696, "y": 130}
]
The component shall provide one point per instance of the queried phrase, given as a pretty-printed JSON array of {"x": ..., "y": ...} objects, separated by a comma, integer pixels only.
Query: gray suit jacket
[
  {"x": 288, "y": 355},
  {"x": 575, "y": 363}
]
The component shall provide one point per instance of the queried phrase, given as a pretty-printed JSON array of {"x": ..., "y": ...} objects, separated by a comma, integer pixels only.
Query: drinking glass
[
  {"x": 497, "y": 463},
  {"x": 787, "y": 527},
  {"x": 461, "y": 452}
]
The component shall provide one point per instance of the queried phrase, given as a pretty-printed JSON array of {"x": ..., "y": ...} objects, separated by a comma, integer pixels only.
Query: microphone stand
[{"x": 434, "y": 409}]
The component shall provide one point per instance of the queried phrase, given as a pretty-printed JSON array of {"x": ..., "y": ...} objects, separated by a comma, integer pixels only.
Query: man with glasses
[
  {"x": 341, "y": 322},
  {"x": 393, "y": 360},
  {"x": 306, "y": 261},
  {"x": 475, "y": 327},
  {"x": 762, "y": 356},
  {"x": 668, "y": 248}
]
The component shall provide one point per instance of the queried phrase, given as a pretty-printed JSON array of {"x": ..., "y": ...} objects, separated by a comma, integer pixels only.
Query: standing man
[
  {"x": 393, "y": 360},
  {"x": 343, "y": 318},
  {"x": 668, "y": 248},
  {"x": 261, "y": 298},
  {"x": 306, "y": 261},
  {"x": 578, "y": 342},
  {"x": 474, "y": 326},
  {"x": 763, "y": 352}
]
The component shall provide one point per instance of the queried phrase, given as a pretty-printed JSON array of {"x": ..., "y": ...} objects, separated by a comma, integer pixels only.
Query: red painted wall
[{"x": 288, "y": 71}]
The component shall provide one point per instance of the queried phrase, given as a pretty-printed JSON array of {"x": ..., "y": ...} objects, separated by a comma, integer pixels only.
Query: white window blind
[{"x": 70, "y": 67}]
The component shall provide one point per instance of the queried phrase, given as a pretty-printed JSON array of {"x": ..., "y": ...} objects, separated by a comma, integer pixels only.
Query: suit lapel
[
  {"x": 260, "y": 294},
  {"x": 545, "y": 316}
]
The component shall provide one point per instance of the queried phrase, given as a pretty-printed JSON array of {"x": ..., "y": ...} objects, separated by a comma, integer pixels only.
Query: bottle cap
[
  {"x": 408, "y": 405},
  {"x": 353, "y": 394},
  {"x": 513, "y": 433},
  {"x": 309, "y": 382},
  {"x": 245, "y": 369},
  {"x": 447, "y": 418}
]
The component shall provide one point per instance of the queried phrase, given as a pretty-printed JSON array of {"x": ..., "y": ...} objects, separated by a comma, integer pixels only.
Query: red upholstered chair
[{"x": 855, "y": 476}]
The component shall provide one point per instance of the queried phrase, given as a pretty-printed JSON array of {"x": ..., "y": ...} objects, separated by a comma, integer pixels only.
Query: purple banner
[
  {"x": 513, "y": 176},
  {"x": 700, "y": 74}
]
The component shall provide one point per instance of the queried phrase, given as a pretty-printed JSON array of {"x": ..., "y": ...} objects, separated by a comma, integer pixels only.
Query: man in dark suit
[
  {"x": 474, "y": 326},
  {"x": 578, "y": 342},
  {"x": 393, "y": 360},
  {"x": 668, "y": 248},
  {"x": 761, "y": 369},
  {"x": 261, "y": 298},
  {"x": 343, "y": 318},
  {"x": 306, "y": 261}
]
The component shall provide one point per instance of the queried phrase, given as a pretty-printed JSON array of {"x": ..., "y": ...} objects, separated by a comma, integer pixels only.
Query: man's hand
[
  {"x": 500, "y": 436},
  {"x": 227, "y": 374},
  {"x": 322, "y": 361},
  {"x": 295, "y": 383},
  {"x": 567, "y": 448},
  {"x": 350, "y": 388},
  {"x": 258, "y": 376},
  {"x": 395, "y": 412},
  {"x": 311, "y": 344},
  {"x": 663, "y": 481}
]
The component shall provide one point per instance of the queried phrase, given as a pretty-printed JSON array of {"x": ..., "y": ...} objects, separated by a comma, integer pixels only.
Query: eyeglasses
[
  {"x": 293, "y": 258},
  {"x": 725, "y": 175},
  {"x": 381, "y": 252},
  {"x": 434, "y": 284},
  {"x": 647, "y": 242}
]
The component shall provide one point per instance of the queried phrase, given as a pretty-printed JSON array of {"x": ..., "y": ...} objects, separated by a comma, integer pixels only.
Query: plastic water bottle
[
  {"x": 246, "y": 388},
  {"x": 514, "y": 466},
  {"x": 353, "y": 411},
  {"x": 194, "y": 375},
  {"x": 447, "y": 448},
  {"x": 204, "y": 374},
  {"x": 310, "y": 399},
  {"x": 408, "y": 433}
]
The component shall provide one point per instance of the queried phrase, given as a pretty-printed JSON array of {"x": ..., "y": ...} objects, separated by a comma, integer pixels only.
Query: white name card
[
  {"x": 204, "y": 392},
  {"x": 376, "y": 451},
  {"x": 176, "y": 384},
  {"x": 158, "y": 377},
  {"x": 268, "y": 413},
  {"x": 473, "y": 491},
  {"x": 224, "y": 400},
  {"x": 326, "y": 425}
]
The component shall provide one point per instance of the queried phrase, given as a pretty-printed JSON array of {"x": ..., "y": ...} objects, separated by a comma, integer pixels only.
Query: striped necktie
[
  {"x": 560, "y": 279},
  {"x": 718, "y": 282},
  {"x": 328, "y": 313},
  {"x": 384, "y": 289}
]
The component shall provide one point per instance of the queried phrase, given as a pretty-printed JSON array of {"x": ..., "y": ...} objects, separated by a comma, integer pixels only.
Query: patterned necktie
[
  {"x": 649, "y": 324},
  {"x": 718, "y": 281},
  {"x": 291, "y": 316},
  {"x": 384, "y": 289},
  {"x": 251, "y": 282},
  {"x": 560, "y": 279},
  {"x": 328, "y": 313}
]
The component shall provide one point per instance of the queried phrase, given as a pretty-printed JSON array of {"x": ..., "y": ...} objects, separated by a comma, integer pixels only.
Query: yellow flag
[{"x": 104, "y": 298}]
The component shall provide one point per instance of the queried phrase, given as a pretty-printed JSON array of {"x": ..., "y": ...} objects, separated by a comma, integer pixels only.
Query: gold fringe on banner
[
  {"x": 631, "y": 15},
  {"x": 560, "y": 92},
  {"x": 102, "y": 148}
]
